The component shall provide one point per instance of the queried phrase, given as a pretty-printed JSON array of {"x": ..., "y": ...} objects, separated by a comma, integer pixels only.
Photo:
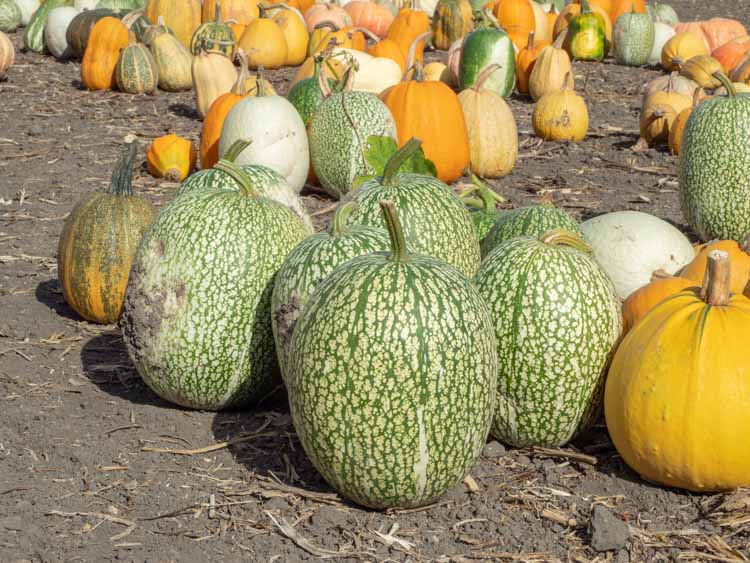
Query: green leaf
[{"x": 379, "y": 151}]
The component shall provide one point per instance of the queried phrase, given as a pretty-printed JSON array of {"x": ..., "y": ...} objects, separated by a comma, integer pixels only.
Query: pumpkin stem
[
  {"x": 366, "y": 32},
  {"x": 547, "y": 200},
  {"x": 417, "y": 73},
  {"x": 489, "y": 19},
  {"x": 329, "y": 24},
  {"x": 397, "y": 160},
  {"x": 660, "y": 275},
  {"x": 488, "y": 199},
  {"x": 532, "y": 39},
  {"x": 340, "y": 222},
  {"x": 262, "y": 10},
  {"x": 260, "y": 82},
  {"x": 411, "y": 55},
  {"x": 561, "y": 237},
  {"x": 217, "y": 13},
  {"x": 560, "y": 39},
  {"x": 485, "y": 74},
  {"x": 238, "y": 175},
  {"x": 568, "y": 82},
  {"x": 122, "y": 175},
  {"x": 132, "y": 17},
  {"x": 236, "y": 149},
  {"x": 395, "y": 231},
  {"x": 697, "y": 95},
  {"x": 715, "y": 290},
  {"x": 585, "y": 8},
  {"x": 240, "y": 87},
  {"x": 731, "y": 90}
]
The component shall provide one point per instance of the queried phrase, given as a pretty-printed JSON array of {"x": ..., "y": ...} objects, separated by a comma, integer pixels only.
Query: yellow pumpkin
[
  {"x": 240, "y": 11},
  {"x": 264, "y": 42},
  {"x": 181, "y": 16},
  {"x": 676, "y": 395},
  {"x": 678, "y": 125},
  {"x": 700, "y": 69},
  {"x": 549, "y": 72},
  {"x": 292, "y": 25},
  {"x": 658, "y": 114},
  {"x": 171, "y": 157},
  {"x": 561, "y": 115},
  {"x": 739, "y": 254},
  {"x": 681, "y": 48}
]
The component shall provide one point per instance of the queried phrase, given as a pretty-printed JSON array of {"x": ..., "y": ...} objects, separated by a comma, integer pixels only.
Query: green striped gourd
[
  {"x": 483, "y": 203},
  {"x": 266, "y": 181},
  {"x": 309, "y": 264},
  {"x": 392, "y": 376},
  {"x": 33, "y": 36},
  {"x": 633, "y": 39},
  {"x": 586, "y": 39},
  {"x": 136, "y": 71},
  {"x": 714, "y": 166},
  {"x": 435, "y": 220},
  {"x": 197, "y": 314},
  {"x": 532, "y": 221},
  {"x": 485, "y": 47},
  {"x": 556, "y": 320},
  {"x": 10, "y": 16},
  {"x": 214, "y": 36},
  {"x": 338, "y": 134}
]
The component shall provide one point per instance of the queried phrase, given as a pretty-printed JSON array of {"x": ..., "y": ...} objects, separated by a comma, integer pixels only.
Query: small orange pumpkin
[
  {"x": 640, "y": 302},
  {"x": 515, "y": 15},
  {"x": 739, "y": 254},
  {"x": 409, "y": 24},
  {"x": 620, "y": 7},
  {"x": 108, "y": 37},
  {"x": 525, "y": 62},
  {"x": 372, "y": 16},
  {"x": 171, "y": 157}
]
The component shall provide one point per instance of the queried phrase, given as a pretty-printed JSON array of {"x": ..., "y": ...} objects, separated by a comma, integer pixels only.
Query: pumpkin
[
  {"x": 173, "y": 60},
  {"x": 7, "y": 54},
  {"x": 561, "y": 115},
  {"x": 389, "y": 49},
  {"x": 523, "y": 16},
  {"x": 373, "y": 16},
  {"x": 642, "y": 301},
  {"x": 279, "y": 140},
  {"x": 431, "y": 112},
  {"x": 739, "y": 254},
  {"x": 332, "y": 13},
  {"x": 493, "y": 136},
  {"x": 658, "y": 112},
  {"x": 28, "y": 7},
  {"x": 672, "y": 82},
  {"x": 264, "y": 43},
  {"x": 714, "y": 32},
  {"x": 240, "y": 11},
  {"x": 483, "y": 48},
  {"x": 334, "y": 68},
  {"x": 451, "y": 21},
  {"x": 741, "y": 72},
  {"x": 633, "y": 38},
  {"x": 79, "y": 29},
  {"x": 373, "y": 74},
  {"x": 10, "y": 16},
  {"x": 55, "y": 28},
  {"x": 549, "y": 72},
  {"x": 585, "y": 37},
  {"x": 678, "y": 125},
  {"x": 714, "y": 165},
  {"x": 437, "y": 71},
  {"x": 620, "y": 7},
  {"x": 662, "y": 33},
  {"x": 292, "y": 25},
  {"x": 409, "y": 24},
  {"x": 171, "y": 157},
  {"x": 680, "y": 49},
  {"x": 731, "y": 54},
  {"x": 98, "y": 242},
  {"x": 701, "y": 69},
  {"x": 570, "y": 11},
  {"x": 307, "y": 94},
  {"x": 213, "y": 75},
  {"x": 630, "y": 246},
  {"x": 181, "y": 16},
  {"x": 525, "y": 61},
  {"x": 662, "y": 13},
  {"x": 108, "y": 37},
  {"x": 301, "y": 5},
  {"x": 214, "y": 36},
  {"x": 676, "y": 394},
  {"x": 327, "y": 33},
  {"x": 552, "y": 16},
  {"x": 136, "y": 71}
]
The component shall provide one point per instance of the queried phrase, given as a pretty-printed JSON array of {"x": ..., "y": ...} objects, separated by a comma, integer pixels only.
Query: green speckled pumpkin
[
  {"x": 714, "y": 167},
  {"x": 136, "y": 71},
  {"x": 633, "y": 38},
  {"x": 392, "y": 377},
  {"x": 215, "y": 36},
  {"x": 306, "y": 95},
  {"x": 10, "y": 16},
  {"x": 435, "y": 220},
  {"x": 197, "y": 313},
  {"x": 310, "y": 263},
  {"x": 532, "y": 221},
  {"x": 556, "y": 321}
]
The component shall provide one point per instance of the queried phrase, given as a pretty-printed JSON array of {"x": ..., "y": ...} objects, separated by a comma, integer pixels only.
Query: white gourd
[
  {"x": 57, "y": 24},
  {"x": 27, "y": 7},
  {"x": 662, "y": 33},
  {"x": 374, "y": 74}
]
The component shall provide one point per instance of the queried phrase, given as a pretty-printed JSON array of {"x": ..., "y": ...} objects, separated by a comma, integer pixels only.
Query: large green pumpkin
[
  {"x": 197, "y": 318},
  {"x": 556, "y": 321},
  {"x": 435, "y": 220},
  {"x": 483, "y": 48},
  {"x": 714, "y": 167},
  {"x": 392, "y": 377}
]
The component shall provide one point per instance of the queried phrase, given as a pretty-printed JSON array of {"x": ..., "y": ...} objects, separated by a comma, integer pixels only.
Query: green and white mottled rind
[
  {"x": 662, "y": 13},
  {"x": 484, "y": 221},
  {"x": 197, "y": 312},
  {"x": 33, "y": 36},
  {"x": 434, "y": 218},
  {"x": 633, "y": 38},
  {"x": 532, "y": 221},
  {"x": 266, "y": 181},
  {"x": 713, "y": 168},
  {"x": 10, "y": 16},
  {"x": 136, "y": 71},
  {"x": 485, "y": 47},
  {"x": 556, "y": 321},
  {"x": 338, "y": 136},
  {"x": 306, "y": 267},
  {"x": 392, "y": 379}
]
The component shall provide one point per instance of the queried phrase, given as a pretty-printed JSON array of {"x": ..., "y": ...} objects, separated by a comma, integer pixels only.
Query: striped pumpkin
[
  {"x": 136, "y": 71},
  {"x": 392, "y": 376},
  {"x": 556, "y": 321},
  {"x": 98, "y": 242}
]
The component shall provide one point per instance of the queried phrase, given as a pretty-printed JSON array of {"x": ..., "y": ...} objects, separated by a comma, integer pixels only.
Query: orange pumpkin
[
  {"x": 301, "y": 5},
  {"x": 516, "y": 15},
  {"x": 409, "y": 24},
  {"x": 171, "y": 157},
  {"x": 552, "y": 17},
  {"x": 241, "y": 11},
  {"x": 639, "y": 303},
  {"x": 431, "y": 112},
  {"x": 108, "y": 37},
  {"x": 714, "y": 32},
  {"x": 333, "y": 13},
  {"x": 237, "y": 28},
  {"x": 739, "y": 254},
  {"x": 388, "y": 48},
  {"x": 333, "y": 68},
  {"x": 525, "y": 62},
  {"x": 181, "y": 16},
  {"x": 375, "y": 17},
  {"x": 730, "y": 54},
  {"x": 620, "y": 7}
]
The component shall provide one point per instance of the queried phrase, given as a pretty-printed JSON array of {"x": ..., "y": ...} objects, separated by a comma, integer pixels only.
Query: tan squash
[
  {"x": 550, "y": 69},
  {"x": 173, "y": 59},
  {"x": 213, "y": 75},
  {"x": 701, "y": 69}
]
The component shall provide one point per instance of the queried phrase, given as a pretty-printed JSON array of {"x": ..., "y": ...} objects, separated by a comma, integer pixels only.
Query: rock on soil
[{"x": 608, "y": 532}]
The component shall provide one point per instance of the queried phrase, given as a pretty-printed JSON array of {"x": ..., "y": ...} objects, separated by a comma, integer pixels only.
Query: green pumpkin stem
[
  {"x": 236, "y": 150},
  {"x": 122, "y": 175},
  {"x": 561, "y": 237},
  {"x": 718, "y": 278},
  {"x": 239, "y": 176},
  {"x": 721, "y": 77},
  {"x": 395, "y": 231},
  {"x": 486, "y": 200},
  {"x": 340, "y": 222},
  {"x": 585, "y": 8},
  {"x": 398, "y": 159}
]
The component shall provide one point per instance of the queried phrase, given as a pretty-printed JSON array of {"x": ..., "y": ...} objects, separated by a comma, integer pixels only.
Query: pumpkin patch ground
[{"x": 95, "y": 467}]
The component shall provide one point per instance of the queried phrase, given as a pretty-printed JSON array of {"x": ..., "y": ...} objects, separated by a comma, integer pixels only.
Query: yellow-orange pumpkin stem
[
  {"x": 715, "y": 290},
  {"x": 561, "y": 237}
]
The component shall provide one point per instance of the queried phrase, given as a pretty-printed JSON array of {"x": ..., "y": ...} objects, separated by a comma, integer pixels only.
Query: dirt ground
[{"x": 95, "y": 467}]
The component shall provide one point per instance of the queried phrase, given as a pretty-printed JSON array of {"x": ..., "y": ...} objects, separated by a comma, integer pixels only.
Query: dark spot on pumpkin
[
  {"x": 286, "y": 319},
  {"x": 563, "y": 120}
]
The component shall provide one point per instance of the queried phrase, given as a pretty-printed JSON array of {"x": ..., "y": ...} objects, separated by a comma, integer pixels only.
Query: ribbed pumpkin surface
[
  {"x": 556, "y": 320},
  {"x": 136, "y": 71}
]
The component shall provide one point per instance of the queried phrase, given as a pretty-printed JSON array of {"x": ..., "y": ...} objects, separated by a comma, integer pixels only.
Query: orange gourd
[
  {"x": 525, "y": 62},
  {"x": 171, "y": 157},
  {"x": 620, "y": 7},
  {"x": 409, "y": 24},
  {"x": 388, "y": 48},
  {"x": 731, "y": 54},
  {"x": 678, "y": 125},
  {"x": 374, "y": 17},
  {"x": 241, "y": 11},
  {"x": 431, "y": 112},
  {"x": 516, "y": 16},
  {"x": 639, "y": 303},
  {"x": 301, "y": 5},
  {"x": 264, "y": 43},
  {"x": 739, "y": 253},
  {"x": 108, "y": 37},
  {"x": 181, "y": 16}
]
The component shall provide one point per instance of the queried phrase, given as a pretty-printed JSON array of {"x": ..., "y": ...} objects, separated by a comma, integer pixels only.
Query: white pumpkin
[
  {"x": 27, "y": 7},
  {"x": 57, "y": 24},
  {"x": 662, "y": 33},
  {"x": 374, "y": 74},
  {"x": 278, "y": 135},
  {"x": 630, "y": 246}
]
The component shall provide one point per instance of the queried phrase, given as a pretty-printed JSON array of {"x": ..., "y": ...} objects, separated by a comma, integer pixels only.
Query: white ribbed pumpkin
[
  {"x": 662, "y": 33},
  {"x": 54, "y": 31}
]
